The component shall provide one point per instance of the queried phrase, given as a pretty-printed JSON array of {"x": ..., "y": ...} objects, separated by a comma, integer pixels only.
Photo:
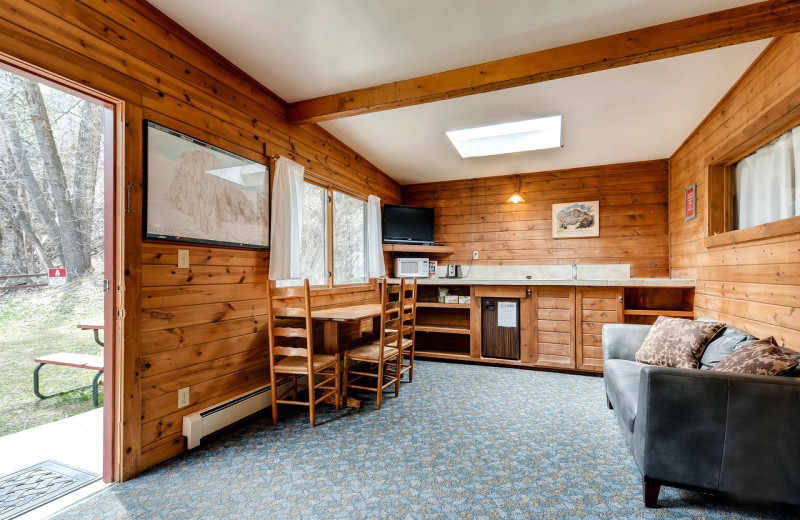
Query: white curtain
[
  {"x": 374, "y": 248},
  {"x": 768, "y": 182},
  {"x": 287, "y": 220}
]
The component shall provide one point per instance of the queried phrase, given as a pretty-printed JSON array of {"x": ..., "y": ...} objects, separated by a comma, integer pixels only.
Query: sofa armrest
[
  {"x": 622, "y": 340},
  {"x": 729, "y": 432}
]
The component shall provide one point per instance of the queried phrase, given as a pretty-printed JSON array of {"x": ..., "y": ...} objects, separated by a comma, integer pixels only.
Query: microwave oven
[{"x": 411, "y": 267}]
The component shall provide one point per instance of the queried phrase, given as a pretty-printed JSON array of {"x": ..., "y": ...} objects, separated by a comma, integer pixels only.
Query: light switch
[{"x": 183, "y": 259}]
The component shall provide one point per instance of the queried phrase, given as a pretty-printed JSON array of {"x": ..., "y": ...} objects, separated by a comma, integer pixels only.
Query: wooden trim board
[{"x": 695, "y": 34}]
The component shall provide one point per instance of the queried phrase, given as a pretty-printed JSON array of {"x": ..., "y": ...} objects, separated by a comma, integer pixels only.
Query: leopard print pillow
[
  {"x": 762, "y": 357},
  {"x": 675, "y": 342}
]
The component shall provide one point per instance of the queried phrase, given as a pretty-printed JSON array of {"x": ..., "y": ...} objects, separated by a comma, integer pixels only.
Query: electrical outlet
[
  {"x": 183, "y": 259},
  {"x": 474, "y": 255},
  {"x": 183, "y": 397}
]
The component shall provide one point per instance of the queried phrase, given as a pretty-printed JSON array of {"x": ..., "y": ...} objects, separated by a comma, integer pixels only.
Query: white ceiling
[
  {"x": 301, "y": 49},
  {"x": 633, "y": 113}
]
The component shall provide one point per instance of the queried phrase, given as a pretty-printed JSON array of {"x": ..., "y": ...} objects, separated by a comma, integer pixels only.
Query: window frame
[
  {"x": 329, "y": 188},
  {"x": 718, "y": 207}
]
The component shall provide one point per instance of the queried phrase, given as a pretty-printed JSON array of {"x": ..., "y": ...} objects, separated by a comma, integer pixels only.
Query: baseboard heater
[{"x": 205, "y": 422}]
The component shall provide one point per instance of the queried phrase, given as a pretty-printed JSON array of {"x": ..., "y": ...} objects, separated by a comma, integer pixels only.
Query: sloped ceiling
[{"x": 307, "y": 48}]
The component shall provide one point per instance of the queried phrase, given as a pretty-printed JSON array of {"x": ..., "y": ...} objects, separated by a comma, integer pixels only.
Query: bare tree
[
  {"x": 49, "y": 168},
  {"x": 86, "y": 162},
  {"x": 68, "y": 222}
]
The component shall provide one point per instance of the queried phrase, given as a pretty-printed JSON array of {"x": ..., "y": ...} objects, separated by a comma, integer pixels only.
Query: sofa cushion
[
  {"x": 622, "y": 384},
  {"x": 762, "y": 357},
  {"x": 726, "y": 341},
  {"x": 795, "y": 372},
  {"x": 676, "y": 342}
]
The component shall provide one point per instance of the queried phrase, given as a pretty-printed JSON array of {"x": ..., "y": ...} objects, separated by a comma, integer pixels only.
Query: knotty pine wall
[
  {"x": 200, "y": 327},
  {"x": 753, "y": 285},
  {"x": 472, "y": 215}
]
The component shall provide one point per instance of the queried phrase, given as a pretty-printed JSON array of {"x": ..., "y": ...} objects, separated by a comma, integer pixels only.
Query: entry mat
[{"x": 29, "y": 488}]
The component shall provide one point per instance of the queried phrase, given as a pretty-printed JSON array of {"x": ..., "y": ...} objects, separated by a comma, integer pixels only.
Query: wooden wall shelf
[{"x": 410, "y": 248}]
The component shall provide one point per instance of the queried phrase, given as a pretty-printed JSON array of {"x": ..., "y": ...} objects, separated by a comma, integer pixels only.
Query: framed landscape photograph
[
  {"x": 197, "y": 192},
  {"x": 576, "y": 219}
]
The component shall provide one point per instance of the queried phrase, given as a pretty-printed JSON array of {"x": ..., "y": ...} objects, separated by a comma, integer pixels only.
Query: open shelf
[
  {"x": 659, "y": 312},
  {"x": 644, "y": 304},
  {"x": 442, "y": 354},
  {"x": 410, "y": 248},
  {"x": 446, "y": 329},
  {"x": 436, "y": 305}
]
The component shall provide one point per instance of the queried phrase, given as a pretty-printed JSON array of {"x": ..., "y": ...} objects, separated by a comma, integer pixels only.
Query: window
[
  {"x": 344, "y": 219},
  {"x": 758, "y": 195},
  {"x": 764, "y": 185},
  {"x": 349, "y": 239}
]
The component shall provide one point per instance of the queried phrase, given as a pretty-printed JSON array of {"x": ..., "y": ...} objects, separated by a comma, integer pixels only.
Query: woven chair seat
[
  {"x": 370, "y": 352},
  {"x": 299, "y": 364},
  {"x": 406, "y": 341}
]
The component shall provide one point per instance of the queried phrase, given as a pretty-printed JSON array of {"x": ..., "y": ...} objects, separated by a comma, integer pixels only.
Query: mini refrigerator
[{"x": 500, "y": 328}]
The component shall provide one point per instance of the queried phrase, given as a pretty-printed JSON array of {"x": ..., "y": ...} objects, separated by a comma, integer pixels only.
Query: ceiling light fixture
[
  {"x": 515, "y": 197},
  {"x": 519, "y": 136}
]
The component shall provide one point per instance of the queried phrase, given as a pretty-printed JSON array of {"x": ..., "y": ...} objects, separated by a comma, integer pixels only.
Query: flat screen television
[{"x": 407, "y": 224}]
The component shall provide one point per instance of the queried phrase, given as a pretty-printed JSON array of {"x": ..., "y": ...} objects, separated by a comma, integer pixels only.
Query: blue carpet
[{"x": 461, "y": 441}]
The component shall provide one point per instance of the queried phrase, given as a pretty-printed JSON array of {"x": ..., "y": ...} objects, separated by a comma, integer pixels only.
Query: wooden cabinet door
[
  {"x": 594, "y": 306},
  {"x": 554, "y": 323}
]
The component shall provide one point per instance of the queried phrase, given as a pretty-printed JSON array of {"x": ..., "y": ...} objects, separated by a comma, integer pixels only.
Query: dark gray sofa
[{"x": 698, "y": 429}]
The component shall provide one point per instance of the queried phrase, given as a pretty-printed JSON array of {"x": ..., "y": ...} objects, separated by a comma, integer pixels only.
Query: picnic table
[
  {"x": 68, "y": 359},
  {"x": 96, "y": 329}
]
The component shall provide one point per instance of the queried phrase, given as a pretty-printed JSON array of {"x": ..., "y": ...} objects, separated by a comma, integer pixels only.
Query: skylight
[{"x": 519, "y": 136}]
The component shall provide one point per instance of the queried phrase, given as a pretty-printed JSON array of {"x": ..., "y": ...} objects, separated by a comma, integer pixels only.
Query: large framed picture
[
  {"x": 576, "y": 219},
  {"x": 197, "y": 192}
]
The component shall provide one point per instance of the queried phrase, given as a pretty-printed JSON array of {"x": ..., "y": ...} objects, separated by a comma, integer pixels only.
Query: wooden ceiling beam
[{"x": 699, "y": 33}]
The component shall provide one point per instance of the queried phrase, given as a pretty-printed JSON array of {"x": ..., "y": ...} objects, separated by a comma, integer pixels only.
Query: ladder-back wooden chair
[
  {"x": 379, "y": 360},
  {"x": 291, "y": 354},
  {"x": 409, "y": 323}
]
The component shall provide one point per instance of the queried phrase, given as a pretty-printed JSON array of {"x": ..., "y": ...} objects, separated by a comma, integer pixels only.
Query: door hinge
[
  {"x": 120, "y": 313},
  {"x": 105, "y": 285},
  {"x": 128, "y": 204}
]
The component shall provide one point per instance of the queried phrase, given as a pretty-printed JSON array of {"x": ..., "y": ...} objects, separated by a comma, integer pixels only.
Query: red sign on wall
[
  {"x": 57, "y": 276},
  {"x": 691, "y": 202}
]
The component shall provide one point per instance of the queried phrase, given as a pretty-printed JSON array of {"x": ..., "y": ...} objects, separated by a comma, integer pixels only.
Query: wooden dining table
[{"x": 333, "y": 317}]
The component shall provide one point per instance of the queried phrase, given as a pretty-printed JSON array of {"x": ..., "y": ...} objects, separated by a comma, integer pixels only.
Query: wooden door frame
[{"x": 113, "y": 251}]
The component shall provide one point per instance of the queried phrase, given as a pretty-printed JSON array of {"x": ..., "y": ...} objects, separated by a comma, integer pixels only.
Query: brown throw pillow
[
  {"x": 675, "y": 342},
  {"x": 762, "y": 357}
]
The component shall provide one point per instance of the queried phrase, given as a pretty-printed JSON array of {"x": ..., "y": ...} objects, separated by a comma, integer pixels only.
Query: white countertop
[{"x": 628, "y": 282}]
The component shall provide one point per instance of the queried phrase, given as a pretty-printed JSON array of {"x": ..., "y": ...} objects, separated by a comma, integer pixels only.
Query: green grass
[{"x": 42, "y": 321}]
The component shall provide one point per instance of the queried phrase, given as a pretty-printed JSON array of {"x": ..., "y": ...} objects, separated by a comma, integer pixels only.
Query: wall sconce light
[{"x": 516, "y": 198}]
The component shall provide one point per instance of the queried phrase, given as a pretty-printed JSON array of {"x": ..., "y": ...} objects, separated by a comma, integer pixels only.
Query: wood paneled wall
[
  {"x": 472, "y": 215},
  {"x": 752, "y": 285},
  {"x": 200, "y": 327}
]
